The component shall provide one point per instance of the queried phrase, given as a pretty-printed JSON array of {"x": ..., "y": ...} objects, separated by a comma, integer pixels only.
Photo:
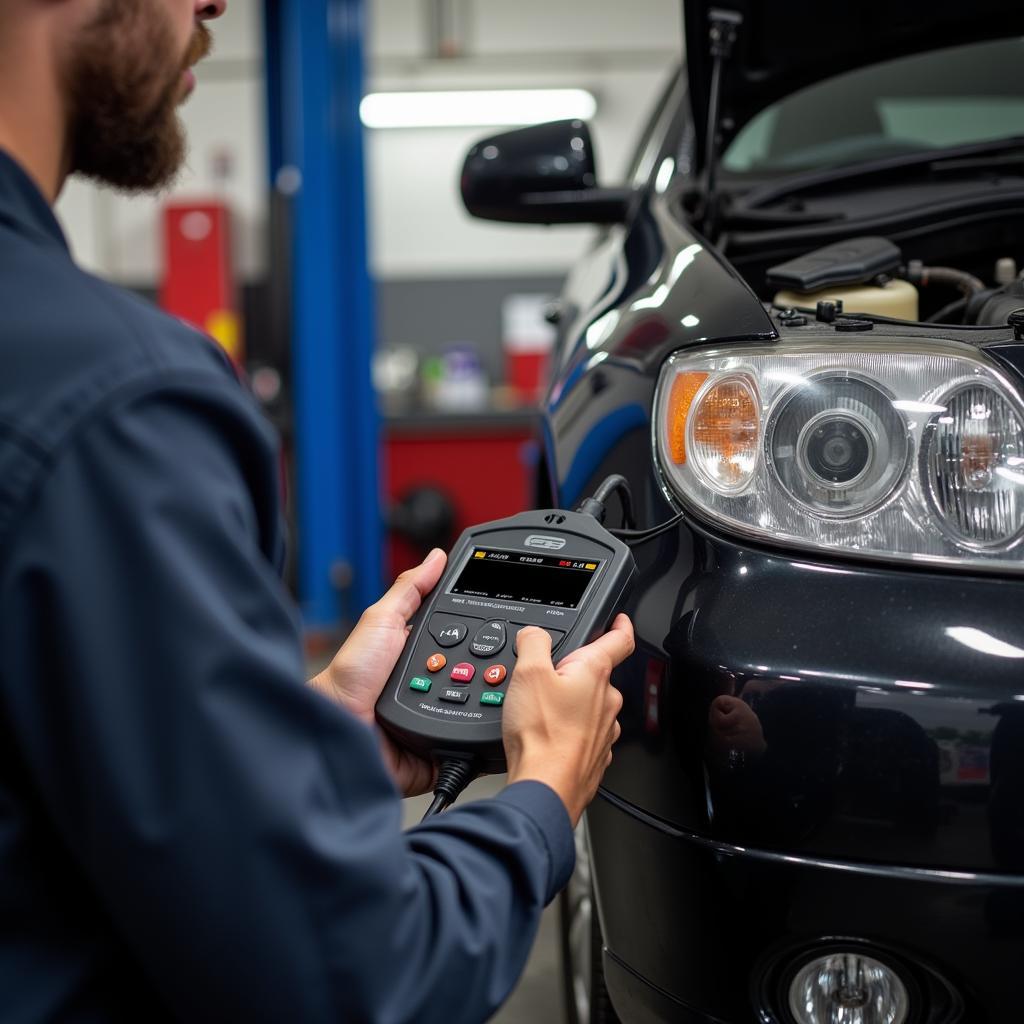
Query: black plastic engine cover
[{"x": 854, "y": 261}]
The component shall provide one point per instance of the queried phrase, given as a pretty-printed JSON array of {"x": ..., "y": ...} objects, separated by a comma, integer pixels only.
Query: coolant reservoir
[{"x": 897, "y": 299}]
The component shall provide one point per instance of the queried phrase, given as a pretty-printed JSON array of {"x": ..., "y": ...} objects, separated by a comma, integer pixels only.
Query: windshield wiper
[
  {"x": 738, "y": 218},
  {"x": 1015, "y": 158},
  {"x": 940, "y": 159}
]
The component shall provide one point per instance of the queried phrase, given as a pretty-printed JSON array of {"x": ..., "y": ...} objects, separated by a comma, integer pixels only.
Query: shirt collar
[{"x": 23, "y": 207}]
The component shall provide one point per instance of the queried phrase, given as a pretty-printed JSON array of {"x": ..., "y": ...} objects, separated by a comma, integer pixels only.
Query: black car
[{"x": 800, "y": 338}]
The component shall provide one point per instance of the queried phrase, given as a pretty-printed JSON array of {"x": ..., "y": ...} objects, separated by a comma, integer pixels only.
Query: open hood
[{"x": 783, "y": 45}]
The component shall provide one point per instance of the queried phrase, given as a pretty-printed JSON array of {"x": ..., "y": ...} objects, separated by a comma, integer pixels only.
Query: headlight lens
[
  {"x": 898, "y": 449},
  {"x": 848, "y": 988},
  {"x": 973, "y": 466},
  {"x": 838, "y": 446}
]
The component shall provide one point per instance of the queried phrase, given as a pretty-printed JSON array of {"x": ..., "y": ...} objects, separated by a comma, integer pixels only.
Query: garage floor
[{"x": 538, "y": 997}]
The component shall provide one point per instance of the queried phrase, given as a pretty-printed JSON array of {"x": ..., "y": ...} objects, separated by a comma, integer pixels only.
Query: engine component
[
  {"x": 1005, "y": 271},
  {"x": 855, "y": 261},
  {"x": 968, "y": 284},
  {"x": 1001, "y": 303},
  {"x": 895, "y": 298}
]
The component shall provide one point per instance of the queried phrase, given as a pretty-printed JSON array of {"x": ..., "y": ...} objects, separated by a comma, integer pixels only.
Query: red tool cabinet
[{"x": 484, "y": 463}]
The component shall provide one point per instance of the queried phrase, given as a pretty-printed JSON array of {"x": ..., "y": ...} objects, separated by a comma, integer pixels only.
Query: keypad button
[
  {"x": 463, "y": 672},
  {"x": 436, "y": 662},
  {"x": 448, "y": 632},
  {"x": 455, "y": 696},
  {"x": 494, "y": 675},
  {"x": 492, "y": 697},
  {"x": 489, "y": 639},
  {"x": 419, "y": 683},
  {"x": 555, "y": 634}
]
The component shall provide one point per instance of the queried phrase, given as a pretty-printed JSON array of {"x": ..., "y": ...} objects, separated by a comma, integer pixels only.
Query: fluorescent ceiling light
[{"x": 474, "y": 108}]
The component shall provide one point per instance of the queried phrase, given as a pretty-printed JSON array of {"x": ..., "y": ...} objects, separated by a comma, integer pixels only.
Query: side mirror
[{"x": 543, "y": 174}]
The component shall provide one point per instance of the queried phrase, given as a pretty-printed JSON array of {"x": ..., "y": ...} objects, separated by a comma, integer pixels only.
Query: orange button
[
  {"x": 436, "y": 662},
  {"x": 495, "y": 675}
]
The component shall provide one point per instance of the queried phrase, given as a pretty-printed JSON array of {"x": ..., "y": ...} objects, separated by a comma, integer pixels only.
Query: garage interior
[
  {"x": 437, "y": 316},
  {"x": 440, "y": 314},
  {"x": 400, "y": 347}
]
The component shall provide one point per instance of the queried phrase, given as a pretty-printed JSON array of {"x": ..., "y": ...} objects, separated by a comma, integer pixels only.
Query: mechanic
[{"x": 187, "y": 830}]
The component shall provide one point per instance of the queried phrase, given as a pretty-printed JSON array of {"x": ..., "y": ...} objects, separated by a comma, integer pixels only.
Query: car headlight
[{"x": 897, "y": 449}]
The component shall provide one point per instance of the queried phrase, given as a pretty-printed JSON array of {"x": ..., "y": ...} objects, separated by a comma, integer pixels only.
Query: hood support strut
[{"x": 723, "y": 29}]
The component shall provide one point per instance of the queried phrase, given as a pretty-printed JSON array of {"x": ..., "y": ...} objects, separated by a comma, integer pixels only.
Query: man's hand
[
  {"x": 361, "y": 667},
  {"x": 559, "y": 723}
]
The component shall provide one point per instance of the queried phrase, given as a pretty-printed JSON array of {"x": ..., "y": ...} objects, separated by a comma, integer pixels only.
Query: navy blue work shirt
[{"x": 187, "y": 831}]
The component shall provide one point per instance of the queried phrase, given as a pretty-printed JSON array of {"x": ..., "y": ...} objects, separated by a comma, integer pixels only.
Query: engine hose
[{"x": 965, "y": 283}]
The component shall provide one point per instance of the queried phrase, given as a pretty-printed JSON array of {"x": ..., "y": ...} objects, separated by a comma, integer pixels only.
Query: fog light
[{"x": 848, "y": 988}]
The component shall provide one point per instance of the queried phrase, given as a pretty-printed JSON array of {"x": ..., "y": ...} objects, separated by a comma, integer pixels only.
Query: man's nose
[{"x": 207, "y": 10}]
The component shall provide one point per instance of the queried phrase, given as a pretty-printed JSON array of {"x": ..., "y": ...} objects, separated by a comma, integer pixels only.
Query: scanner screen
[{"x": 527, "y": 579}]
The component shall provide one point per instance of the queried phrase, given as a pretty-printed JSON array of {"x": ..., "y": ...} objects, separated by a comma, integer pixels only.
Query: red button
[
  {"x": 495, "y": 675},
  {"x": 436, "y": 662},
  {"x": 463, "y": 672}
]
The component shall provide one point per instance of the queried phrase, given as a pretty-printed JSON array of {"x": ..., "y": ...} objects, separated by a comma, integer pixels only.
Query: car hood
[{"x": 783, "y": 45}]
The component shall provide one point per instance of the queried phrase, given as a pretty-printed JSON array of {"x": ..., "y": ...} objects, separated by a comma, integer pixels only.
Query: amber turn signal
[
  {"x": 725, "y": 432},
  {"x": 684, "y": 389}
]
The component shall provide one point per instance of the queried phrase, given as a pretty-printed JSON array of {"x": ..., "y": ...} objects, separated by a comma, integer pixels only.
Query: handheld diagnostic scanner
[{"x": 552, "y": 568}]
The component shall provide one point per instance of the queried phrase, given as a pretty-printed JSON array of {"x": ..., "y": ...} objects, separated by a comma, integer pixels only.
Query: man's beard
[{"x": 123, "y": 92}]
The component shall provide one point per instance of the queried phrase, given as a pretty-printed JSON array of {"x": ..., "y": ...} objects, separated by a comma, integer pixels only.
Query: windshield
[{"x": 952, "y": 97}]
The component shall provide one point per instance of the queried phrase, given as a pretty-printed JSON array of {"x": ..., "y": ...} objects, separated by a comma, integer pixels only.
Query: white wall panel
[
  {"x": 397, "y": 28},
  {"x": 239, "y": 33},
  {"x": 420, "y": 229},
  {"x": 80, "y": 214},
  {"x": 538, "y": 26}
]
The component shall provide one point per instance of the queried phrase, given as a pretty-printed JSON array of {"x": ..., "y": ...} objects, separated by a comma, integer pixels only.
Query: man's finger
[
  {"x": 407, "y": 592},
  {"x": 617, "y": 644},
  {"x": 533, "y": 645}
]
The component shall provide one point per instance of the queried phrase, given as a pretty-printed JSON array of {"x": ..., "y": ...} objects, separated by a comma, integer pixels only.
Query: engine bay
[{"x": 868, "y": 276}]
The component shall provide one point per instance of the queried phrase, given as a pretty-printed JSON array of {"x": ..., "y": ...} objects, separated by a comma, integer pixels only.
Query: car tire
[{"x": 586, "y": 997}]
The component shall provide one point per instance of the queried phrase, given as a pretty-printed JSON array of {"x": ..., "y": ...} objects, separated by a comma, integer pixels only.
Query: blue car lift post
[{"x": 314, "y": 73}]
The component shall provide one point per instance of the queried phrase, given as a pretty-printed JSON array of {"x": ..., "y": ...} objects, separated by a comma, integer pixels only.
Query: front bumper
[
  {"x": 693, "y": 928},
  {"x": 813, "y": 749}
]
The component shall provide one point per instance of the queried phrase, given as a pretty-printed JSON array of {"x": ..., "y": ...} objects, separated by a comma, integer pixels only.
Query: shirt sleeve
[{"x": 239, "y": 830}]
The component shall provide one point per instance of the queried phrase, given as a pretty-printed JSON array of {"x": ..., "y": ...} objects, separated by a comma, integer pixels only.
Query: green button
[
  {"x": 492, "y": 697},
  {"x": 419, "y": 683}
]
